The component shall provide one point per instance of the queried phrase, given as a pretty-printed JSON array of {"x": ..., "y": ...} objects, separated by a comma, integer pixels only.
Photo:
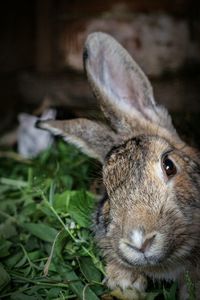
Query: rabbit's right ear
[{"x": 124, "y": 92}]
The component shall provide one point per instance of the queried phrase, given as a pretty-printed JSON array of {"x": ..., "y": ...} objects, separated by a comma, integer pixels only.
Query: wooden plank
[{"x": 44, "y": 39}]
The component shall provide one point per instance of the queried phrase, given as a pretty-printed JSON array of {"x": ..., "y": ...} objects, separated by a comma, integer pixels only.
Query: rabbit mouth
[
  {"x": 140, "y": 260},
  {"x": 131, "y": 255}
]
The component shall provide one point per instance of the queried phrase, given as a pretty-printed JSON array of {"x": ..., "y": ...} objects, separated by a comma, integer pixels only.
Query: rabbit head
[{"x": 149, "y": 219}]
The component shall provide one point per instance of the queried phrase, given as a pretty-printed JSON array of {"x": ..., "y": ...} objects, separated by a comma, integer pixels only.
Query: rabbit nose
[
  {"x": 147, "y": 244},
  {"x": 140, "y": 242}
]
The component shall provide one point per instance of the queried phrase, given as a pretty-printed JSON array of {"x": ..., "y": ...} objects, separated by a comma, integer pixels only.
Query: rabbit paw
[{"x": 119, "y": 277}]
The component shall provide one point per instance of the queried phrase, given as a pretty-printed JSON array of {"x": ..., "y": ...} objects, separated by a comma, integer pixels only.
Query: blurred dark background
[{"x": 41, "y": 52}]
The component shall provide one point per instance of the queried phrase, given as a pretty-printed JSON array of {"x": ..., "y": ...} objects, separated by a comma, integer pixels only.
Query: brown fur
[{"x": 148, "y": 223}]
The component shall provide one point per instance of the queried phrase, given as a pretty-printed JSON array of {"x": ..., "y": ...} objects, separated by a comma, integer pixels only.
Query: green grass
[{"x": 46, "y": 244}]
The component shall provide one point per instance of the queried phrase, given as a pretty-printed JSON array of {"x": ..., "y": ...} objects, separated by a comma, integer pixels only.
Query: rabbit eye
[{"x": 169, "y": 167}]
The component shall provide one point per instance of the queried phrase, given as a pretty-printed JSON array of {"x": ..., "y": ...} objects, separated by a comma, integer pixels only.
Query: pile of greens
[
  {"x": 47, "y": 248},
  {"x": 46, "y": 245}
]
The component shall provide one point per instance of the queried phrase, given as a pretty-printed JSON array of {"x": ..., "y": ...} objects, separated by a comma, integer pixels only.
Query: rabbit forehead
[
  {"x": 134, "y": 168},
  {"x": 137, "y": 152}
]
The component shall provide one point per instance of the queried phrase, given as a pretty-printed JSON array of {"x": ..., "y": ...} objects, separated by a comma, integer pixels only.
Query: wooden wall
[
  {"x": 30, "y": 30},
  {"x": 43, "y": 38}
]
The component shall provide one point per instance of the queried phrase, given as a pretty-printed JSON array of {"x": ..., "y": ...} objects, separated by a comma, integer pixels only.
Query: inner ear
[
  {"x": 114, "y": 75},
  {"x": 124, "y": 92}
]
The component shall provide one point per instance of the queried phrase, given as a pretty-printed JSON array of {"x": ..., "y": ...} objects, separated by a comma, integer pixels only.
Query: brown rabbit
[{"x": 148, "y": 225}]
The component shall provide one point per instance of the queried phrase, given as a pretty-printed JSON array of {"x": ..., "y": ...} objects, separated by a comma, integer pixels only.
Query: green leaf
[
  {"x": 151, "y": 296},
  {"x": 171, "y": 294},
  {"x": 4, "y": 247},
  {"x": 60, "y": 243},
  {"x": 21, "y": 262},
  {"x": 41, "y": 231},
  {"x": 83, "y": 292},
  {"x": 4, "y": 278},
  {"x": 12, "y": 260},
  {"x": 78, "y": 204},
  {"x": 67, "y": 181},
  {"x": 35, "y": 255},
  {"x": 29, "y": 209},
  {"x": 14, "y": 182},
  {"x": 7, "y": 230},
  {"x": 23, "y": 296},
  {"x": 53, "y": 293},
  {"x": 89, "y": 270},
  {"x": 44, "y": 208}
]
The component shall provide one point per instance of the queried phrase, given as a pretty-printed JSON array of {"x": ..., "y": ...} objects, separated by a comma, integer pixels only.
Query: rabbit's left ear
[
  {"x": 94, "y": 139},
  {"x": 124, "y": 92}
]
